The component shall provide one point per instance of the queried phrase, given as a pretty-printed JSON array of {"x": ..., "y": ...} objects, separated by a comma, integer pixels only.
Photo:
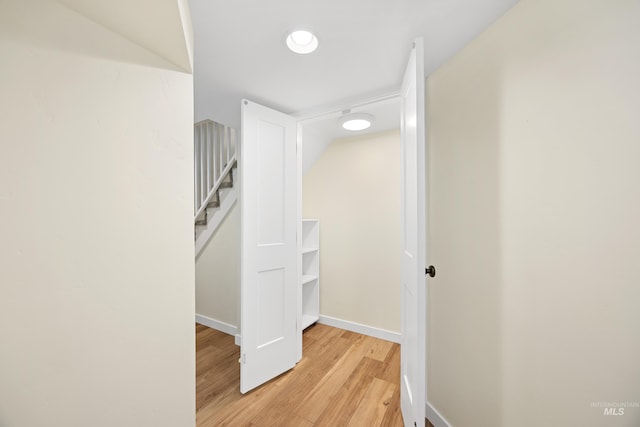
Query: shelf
[
  {"x": 310, "y": 279},
  {"x": 307, "y": 278},
  {"x": 308, "y": 320}
]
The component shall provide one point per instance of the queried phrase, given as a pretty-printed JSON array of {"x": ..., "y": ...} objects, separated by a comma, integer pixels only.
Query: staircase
[{"x": 215, "y": 167}]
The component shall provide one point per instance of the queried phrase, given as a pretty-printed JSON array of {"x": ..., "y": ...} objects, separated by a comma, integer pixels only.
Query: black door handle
[{"x": 430, "y": 271}]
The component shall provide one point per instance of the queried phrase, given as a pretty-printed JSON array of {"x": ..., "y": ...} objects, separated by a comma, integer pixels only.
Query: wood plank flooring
[{"x": 343, "y": 379}]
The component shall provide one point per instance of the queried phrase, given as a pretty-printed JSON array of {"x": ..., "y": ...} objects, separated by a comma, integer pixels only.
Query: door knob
[{"x": 430, "y": 271}]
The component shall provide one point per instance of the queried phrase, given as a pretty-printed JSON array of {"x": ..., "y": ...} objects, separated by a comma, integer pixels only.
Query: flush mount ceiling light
[
  {"x": 356, "y": 121},
  {"x": 301, "y": 41}
]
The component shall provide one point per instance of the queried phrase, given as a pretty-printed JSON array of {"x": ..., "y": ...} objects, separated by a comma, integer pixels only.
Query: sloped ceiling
[{"x": 161, "y": 26}]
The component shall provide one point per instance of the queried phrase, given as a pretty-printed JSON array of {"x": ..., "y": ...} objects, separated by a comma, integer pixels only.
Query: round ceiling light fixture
[
  {"x": 356, "y": 121},
  {"x": 302, "y": 41}
]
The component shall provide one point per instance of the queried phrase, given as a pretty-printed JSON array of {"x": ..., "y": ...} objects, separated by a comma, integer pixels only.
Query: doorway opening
[{"x": 271, "y": 246}]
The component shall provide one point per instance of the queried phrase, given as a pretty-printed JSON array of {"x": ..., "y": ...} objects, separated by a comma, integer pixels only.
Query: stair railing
[{"x": 214, "y": 156}]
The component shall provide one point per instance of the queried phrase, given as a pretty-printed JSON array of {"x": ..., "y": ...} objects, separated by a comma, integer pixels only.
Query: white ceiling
[
  {"x": 319, "y": 131},
  {"x": 240, "y": 52},
  {"x": 364, "y": 45}
]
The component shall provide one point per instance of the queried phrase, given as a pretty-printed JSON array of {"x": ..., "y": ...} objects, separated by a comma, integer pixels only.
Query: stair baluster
[{"x": 215, "y": 147}]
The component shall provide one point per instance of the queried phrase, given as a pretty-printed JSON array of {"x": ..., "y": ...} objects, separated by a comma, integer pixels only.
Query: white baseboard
[
  {"x": 361, "y": 329},
  {"x": 434, "y": 416},
  {"x": 217, "y": 325}
]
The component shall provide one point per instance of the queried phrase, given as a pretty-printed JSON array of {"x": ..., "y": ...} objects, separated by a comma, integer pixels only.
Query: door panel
[
  {"x": 413, "y": 253},
  {"x": 268, "y": 205}
]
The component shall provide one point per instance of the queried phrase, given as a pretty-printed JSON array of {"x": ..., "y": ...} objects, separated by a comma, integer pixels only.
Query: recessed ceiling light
[
  {"x": 301, "y": 41},
  {"x": 355, "y": 122}
]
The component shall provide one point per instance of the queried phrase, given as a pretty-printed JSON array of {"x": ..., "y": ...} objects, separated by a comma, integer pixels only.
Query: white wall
[
  {"x": 354, "y": 189},
  {"x": 534, "y": 141},
  {"x": 218, "y": 273},
  {"x": 96, "y": 227}
]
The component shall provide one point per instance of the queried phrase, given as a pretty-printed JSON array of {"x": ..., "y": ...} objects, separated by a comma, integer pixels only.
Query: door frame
[
  {"x": 299, "y": 239},
  {"x": 301, "y": 118}
]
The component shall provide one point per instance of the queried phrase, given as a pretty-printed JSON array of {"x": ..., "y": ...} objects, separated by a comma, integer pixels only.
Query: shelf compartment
[
  {"x": 310, "y": 232},
  {"x": 308, "y": 320},
  {"x": 308, "y": 278}
]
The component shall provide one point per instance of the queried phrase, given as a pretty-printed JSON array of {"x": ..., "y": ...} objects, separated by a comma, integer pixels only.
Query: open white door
[
  {"x": 414, "y": 300},
  {"x": 268, "y": 206}
]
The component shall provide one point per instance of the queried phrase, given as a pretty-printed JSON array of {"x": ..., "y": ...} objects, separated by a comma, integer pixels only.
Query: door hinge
[{"x": 243, "y": 358}]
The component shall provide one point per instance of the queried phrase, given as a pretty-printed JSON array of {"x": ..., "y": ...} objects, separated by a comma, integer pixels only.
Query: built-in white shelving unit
[{"x": 310, "y": 272}]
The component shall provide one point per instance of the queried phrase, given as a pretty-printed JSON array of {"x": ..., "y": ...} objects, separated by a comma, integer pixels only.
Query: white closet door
[
  {"x": 414, "y": 300},
  {"x": 268, "y": 204}
]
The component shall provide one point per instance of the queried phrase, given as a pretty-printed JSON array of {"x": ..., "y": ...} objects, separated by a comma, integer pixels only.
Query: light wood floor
[{"x": 343, "y": 379}]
